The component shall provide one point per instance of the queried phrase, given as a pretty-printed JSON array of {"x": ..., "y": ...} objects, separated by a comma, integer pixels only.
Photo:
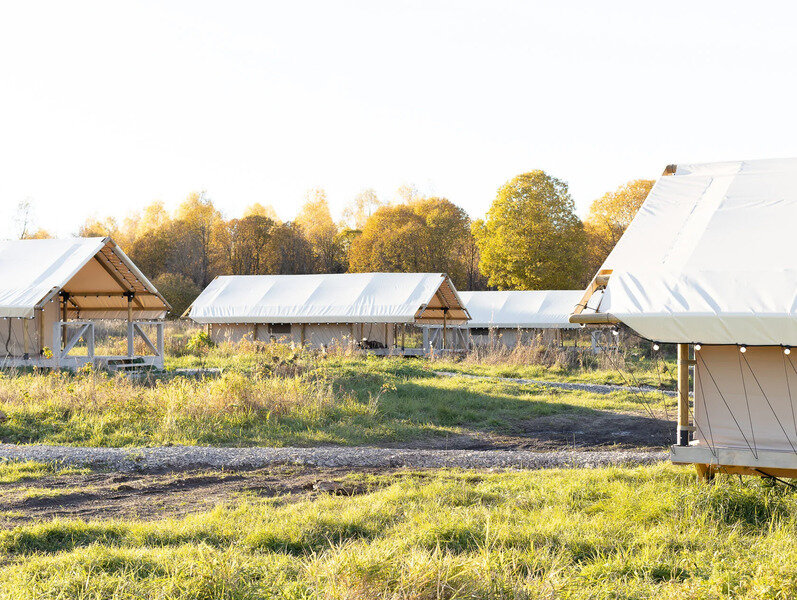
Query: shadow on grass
[{"x": 528, "y": 416}]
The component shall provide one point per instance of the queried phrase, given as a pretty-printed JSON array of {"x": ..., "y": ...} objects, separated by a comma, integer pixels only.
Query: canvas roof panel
[
  {"x": 32, "y": 270},
  {"x": 708, "y": 257},
  {"x": 327, "y": 298},
  {"x": 535, "y": 309}
]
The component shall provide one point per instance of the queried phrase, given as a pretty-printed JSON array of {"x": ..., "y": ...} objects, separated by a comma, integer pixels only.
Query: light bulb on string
[
  {"x": 742, "y": 349},
  {"x": 698, "y": 347},
  {"x": 787, "y": 350},
  {"x": 655, "y": 347}
]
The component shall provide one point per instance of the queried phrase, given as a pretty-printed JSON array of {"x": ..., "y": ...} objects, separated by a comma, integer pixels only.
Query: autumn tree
[
  {"x": 389, "y": 242},
  {"x": 258, "y": 210},
  {"x": 178, "y": 290},
  {"x": 361, "y": 208},
  {"x": 532, "y": 238},
  {"x": 609, "y": 217},
  {"x": 249, "y": 245},
  {"x": 425, "y": 235},
  {"x": 94, "y": 227},
  {"x": 289, "y": 252},
  {"x": 202, "y": 220},
  {"x": 315, "y": 221}
]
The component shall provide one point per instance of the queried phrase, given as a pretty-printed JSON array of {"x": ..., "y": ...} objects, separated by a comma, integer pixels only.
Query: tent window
[
  {"x": 280, "y": 329},
  {"x": 479, "y": 331}
]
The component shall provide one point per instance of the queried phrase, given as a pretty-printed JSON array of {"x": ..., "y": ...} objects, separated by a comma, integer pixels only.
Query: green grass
[
  {"x": 628, "y": 370},
  {"x": 649, "y": 532},
  {"x": 265, "y": 399},
  {"x": 14, "y": 471}
]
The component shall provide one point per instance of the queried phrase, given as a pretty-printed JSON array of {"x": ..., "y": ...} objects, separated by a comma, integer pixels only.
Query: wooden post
[
  {"x": 64, "y": 300},
  {"x": 445, "y": 322},
  {"x": 39, "y": 312},
  {"x": 683, "y": 395},
  {"x": 403, "y": 329},
  {"x": 130, "y": 333},
  {"x": 387, "y": 346},
  {"x": 301, "y": 343}
]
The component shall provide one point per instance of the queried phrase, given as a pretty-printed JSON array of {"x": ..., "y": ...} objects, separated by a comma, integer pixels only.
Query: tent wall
[
  {"x": 510, "y": 338},
  {"x": 12, "y": 337},
  {"x": 747, "y": 421},
  {"x": 315, "y": 335}
]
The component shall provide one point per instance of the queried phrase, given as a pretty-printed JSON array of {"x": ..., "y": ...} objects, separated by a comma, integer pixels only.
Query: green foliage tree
[
  {"x": 532, "y": 238},
  {"x": 178, "y": 290}
]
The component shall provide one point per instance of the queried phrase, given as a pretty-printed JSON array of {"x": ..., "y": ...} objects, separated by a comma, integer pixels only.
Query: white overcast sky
[{"x": 106, "y": 106}]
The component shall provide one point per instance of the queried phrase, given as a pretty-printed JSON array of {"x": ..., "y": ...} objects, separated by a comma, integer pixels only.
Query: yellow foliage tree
[
  {"x": 258, "y": 210},
  {"x": 315, "y": 221},
  {"x": 609, "y": 216},
  {"x": 531, "y": 238}
]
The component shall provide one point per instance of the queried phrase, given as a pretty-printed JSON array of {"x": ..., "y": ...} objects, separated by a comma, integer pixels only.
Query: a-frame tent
[
  {"x": 53, "y": 290},
  {"x": 706, "y": 264}
]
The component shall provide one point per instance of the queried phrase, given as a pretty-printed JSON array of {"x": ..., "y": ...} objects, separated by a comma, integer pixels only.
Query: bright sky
[{"x": 106, "y": 106}]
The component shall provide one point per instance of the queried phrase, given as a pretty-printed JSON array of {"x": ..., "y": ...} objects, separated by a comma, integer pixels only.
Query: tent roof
[
  {"x": 93, "y": 271},
  {"x": 540, "y": 309},
  {"x": 338, "y": 298},
  {"x": 708, "y": 258}
]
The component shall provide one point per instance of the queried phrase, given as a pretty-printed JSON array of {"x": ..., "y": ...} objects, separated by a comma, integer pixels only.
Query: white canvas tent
[
  {"x": 706, "y": 262},
  {"x": 509, "y": 318},
  {"x": 326, "y": 309},
  {"x": 52, "y": 291}
]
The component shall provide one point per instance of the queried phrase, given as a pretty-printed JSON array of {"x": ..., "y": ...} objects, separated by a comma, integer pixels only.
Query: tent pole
[
  {"x": 403, "y": 329},
  {"x": 683, "y": 394}
]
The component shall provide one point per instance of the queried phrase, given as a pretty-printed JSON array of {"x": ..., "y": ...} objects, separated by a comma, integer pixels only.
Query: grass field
[
  {"x": 648, "y": 532},
  {"x": 276, "y": 397}
]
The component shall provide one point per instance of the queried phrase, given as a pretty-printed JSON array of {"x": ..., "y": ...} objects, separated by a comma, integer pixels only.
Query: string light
[
  {"x": 655, "y": 347},
  {"x": 742, "y": 348},
  {"x": 615, "y": 331},
  {"x": 698, "y": 347},
  {"x": 787, "y": 350}
]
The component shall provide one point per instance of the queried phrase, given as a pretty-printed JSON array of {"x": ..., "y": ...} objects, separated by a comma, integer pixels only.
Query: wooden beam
[
  {"x": 598, "y": 282},
  {"x": 594, "y": 319},
  {"x": 126, "y": 285}
]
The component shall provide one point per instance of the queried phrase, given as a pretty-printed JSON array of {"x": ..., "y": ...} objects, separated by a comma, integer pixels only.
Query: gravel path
[
  {"x": 181, "y": 458},
  {"x": 598, "y": 388}
]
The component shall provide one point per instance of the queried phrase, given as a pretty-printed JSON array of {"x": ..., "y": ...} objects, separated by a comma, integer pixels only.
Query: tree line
[{"x": 530, "y": 238}]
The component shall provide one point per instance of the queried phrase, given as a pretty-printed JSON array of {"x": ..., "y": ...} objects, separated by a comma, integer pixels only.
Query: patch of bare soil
[
  {"x": 149, "y": 497},
  {"x": 598, "y": 431}
]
